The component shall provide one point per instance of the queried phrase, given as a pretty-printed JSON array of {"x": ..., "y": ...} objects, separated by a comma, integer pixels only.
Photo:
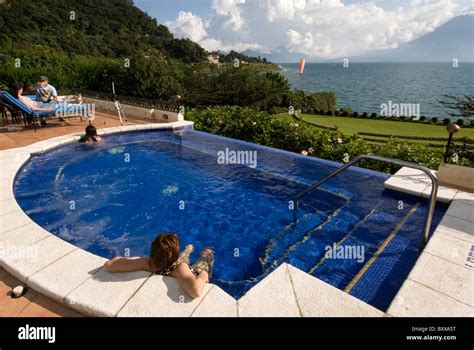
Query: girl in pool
[
  {"x": 166, "y": 260},
  {"x": 91, "y": 135}
]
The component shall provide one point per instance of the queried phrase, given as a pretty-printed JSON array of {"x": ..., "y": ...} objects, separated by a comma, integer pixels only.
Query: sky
[{"x": 316, "y": 28}]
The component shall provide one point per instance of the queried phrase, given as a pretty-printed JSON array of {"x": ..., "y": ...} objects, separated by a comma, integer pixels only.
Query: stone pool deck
[
  {"x": 442, "y": 281},
  {"x": 34, "y": 304},
  {"x": 439, "y": 284}
]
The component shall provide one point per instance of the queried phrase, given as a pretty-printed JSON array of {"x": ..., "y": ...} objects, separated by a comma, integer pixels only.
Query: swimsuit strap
[
  {"x": 167, "y": 271},
  {"x": 170, "y": 269}
]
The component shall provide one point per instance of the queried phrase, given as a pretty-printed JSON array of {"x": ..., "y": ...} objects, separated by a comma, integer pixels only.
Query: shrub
[
  {"x": 460, "y": 122},
  {"x": 365, "y": 115},
  {"x": 446, "y": 121},
  {"x": 317, "y": 101},
  {"x": 422, "y": 118},
  {"x": 326, "y": 100},
  {"x": 337, "y": 113},
  {"x": 278, "y": 110},
  {"x": 355, "y": 115},
  {"x": 434, "y": 120},
  {"x": 260, "y": 127},
  {"x": 347, "y": 111},
  {"x": 415, "y": 153},
  {"x": 374, "y": 115}
]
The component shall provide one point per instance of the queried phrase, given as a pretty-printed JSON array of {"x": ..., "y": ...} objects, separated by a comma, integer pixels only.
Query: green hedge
[
  {"x": 317, "y": 102},
  {"x": 296, "y": 136},
  {"x": 431, "y": 145},
  {"x": 347, "y": 112},
  {"x": 425, "y": 138}
]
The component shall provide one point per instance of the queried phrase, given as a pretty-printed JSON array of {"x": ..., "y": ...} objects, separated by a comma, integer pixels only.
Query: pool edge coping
[
  {"x": 450, "y": 243},
  {"x": 256, "y": 302}
]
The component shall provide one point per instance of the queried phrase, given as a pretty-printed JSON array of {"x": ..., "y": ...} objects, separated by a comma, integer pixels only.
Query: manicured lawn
[
  {"x": 387, "y": 127},
  {"x": 355, "y": 125}
]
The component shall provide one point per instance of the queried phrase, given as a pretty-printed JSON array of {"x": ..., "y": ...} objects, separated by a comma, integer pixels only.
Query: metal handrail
[{"x": 427, "y": 171}]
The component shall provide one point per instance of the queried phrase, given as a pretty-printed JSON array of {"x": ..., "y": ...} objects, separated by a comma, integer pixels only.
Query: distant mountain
[
  {"x": 277, "y": 56},
  {"x": 453, "y": 39}
]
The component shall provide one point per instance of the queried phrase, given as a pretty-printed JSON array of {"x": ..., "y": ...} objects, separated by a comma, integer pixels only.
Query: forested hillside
[
  {"x": 111, "y": 28},
  {"x": 87, "y": 44}
]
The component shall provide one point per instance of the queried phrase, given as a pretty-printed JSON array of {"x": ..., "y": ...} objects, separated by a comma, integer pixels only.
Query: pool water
[{"x": 113, "y": 198}]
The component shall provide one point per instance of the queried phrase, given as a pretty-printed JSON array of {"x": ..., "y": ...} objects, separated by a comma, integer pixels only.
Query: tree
[
  {"x": 108, "y": 28},
  {"x": 462, "y": 107},
  {"x": 242, "y": 86}
]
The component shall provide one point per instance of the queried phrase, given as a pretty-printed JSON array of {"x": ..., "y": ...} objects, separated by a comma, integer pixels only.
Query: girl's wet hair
[
  {"x": 164, "y": 251},
  {"x": 91, "y": 134}
]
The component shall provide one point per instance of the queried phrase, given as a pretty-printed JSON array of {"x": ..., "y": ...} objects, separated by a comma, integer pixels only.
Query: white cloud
[
  {"x": 316, "y": 28},
  {"x": 231, "y": 11},
  {"x": 189, "y": 26}
]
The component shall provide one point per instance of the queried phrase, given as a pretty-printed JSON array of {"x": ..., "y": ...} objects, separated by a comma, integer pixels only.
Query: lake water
[{"x": 365, "y": 86}]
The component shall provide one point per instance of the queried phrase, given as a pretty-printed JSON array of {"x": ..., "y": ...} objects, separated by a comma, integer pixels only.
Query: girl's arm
[
  {"x": 193, "y": 285},
  {"x": 121, "y": 264}
]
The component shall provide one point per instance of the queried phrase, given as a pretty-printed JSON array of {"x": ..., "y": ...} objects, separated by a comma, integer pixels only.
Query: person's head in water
[
  {"x": 91, "y": 135},
  {"x": 164, "y": 252}
]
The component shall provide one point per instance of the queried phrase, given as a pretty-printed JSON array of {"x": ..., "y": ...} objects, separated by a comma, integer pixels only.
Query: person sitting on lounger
[
  {"x": 91, "y": 135},
  {"x": 165, "y": 259},
  {"x": 44, "y": 92},
  {"x": 17, "y": 92}
]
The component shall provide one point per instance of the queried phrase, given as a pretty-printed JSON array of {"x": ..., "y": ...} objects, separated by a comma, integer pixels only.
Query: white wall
[{"x": 156, "y": 115}]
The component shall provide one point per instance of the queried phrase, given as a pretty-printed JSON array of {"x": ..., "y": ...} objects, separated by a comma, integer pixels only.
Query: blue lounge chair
[{"x": 36, "y": 116}]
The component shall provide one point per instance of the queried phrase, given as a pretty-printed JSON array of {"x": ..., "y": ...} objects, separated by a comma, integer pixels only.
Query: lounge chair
[
  {"x": 4, "y": 112},
  {"x": 16, "y": 115},
  {"x": 37, "y": 116}
]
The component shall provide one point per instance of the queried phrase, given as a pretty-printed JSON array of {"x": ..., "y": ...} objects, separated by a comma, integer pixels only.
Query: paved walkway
[
  {"x": 33, "y": 304},
  {"x": 12, "y": 139}
]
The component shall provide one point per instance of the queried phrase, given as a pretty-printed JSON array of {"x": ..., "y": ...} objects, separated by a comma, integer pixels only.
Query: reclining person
[
  {"x": 17, "y": 92},
  {"x": 166, "y": 260}
]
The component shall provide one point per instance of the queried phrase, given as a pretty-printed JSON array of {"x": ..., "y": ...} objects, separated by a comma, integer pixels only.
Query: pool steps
[{"x": 75, "y": 277}]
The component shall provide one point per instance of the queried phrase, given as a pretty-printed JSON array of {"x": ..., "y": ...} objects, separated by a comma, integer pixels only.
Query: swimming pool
[{"x": 113, "y": 198}]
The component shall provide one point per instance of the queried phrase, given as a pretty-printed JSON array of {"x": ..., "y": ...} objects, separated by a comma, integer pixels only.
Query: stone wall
[{"x": 456, "y": 176}]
